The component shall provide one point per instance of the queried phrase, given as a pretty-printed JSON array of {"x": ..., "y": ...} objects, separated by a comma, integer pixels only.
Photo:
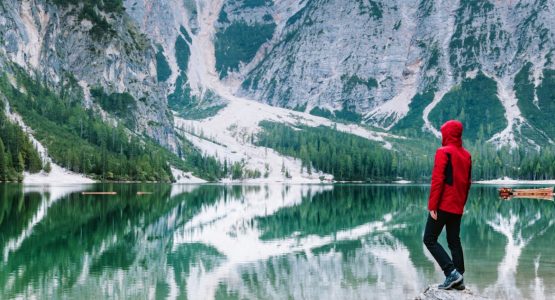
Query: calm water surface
[{"x": 260, "y": 242}]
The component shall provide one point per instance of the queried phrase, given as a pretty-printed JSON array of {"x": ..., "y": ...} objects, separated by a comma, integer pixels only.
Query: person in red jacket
[{"x": 451, "y": 178}]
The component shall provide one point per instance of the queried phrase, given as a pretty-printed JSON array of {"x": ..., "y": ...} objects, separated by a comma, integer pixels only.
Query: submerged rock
[{"x": 433, "y": 293}]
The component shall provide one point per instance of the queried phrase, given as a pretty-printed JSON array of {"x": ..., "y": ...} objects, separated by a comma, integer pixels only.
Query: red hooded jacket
[{"x": 451, "y": 176}]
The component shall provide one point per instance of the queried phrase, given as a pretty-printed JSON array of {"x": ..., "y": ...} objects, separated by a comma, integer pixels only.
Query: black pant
[{"x": 433, "y": 228}]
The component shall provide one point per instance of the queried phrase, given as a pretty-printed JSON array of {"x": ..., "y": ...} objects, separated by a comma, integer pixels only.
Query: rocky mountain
[
  {"x": 95, "y": 46},
  {"x": 390, "y": 64},
  {"x": 395, "y": 61},
  {"x": 167, "y": 70}
]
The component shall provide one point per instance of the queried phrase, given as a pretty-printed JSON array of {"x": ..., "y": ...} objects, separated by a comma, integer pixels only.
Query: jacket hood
[{"x": 451, "y": 133}]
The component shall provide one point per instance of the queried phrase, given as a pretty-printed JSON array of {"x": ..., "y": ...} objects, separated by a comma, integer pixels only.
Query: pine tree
[
  {"x": 3, "y": 163},
  {"x": 34, "y": 162},
  {"x": 20, "y": 163},
  {"x": 237, "y": 170}
]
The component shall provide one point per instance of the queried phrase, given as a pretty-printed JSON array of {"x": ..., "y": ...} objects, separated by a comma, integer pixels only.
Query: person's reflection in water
[{"x": 451, "y": 178}]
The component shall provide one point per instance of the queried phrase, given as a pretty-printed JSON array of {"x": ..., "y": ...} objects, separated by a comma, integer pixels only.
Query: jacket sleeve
[
  {"x": 469, "y": 178},
  {"x": 438, "y": 178}
]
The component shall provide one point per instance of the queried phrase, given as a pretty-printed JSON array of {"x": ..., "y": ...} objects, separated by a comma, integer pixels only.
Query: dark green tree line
[
  {"x": 79, "y": 140},
  {"x": 17, "y": 152},
  {"x": 353, "y": 158},
  {"x": 346, "y": 156}
]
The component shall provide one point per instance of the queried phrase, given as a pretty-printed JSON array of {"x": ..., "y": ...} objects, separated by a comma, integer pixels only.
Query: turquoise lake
[{"x": 261, "y": 242}]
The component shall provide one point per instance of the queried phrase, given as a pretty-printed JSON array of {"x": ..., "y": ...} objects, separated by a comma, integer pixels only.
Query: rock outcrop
[
  {"x": 82, "y": 46},
  {"x": 433, "y": 293}
]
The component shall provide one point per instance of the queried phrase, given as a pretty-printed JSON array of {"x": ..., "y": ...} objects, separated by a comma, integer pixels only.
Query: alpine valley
[{"x": 271, "y": 91}]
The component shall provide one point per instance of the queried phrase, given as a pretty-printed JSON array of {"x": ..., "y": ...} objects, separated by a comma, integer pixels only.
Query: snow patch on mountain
[
  {"x": 229, "y": 136},
  {"x": 267, "y": 161},
  {"x": 515, "y": 120},
  {"x": 426, "y": 115},
  {"x": 58, "y": 174},
  {"x": 512, "y": 134},
  {"x": 538, "y": 65},
  {"x": 185, "y": 177}
]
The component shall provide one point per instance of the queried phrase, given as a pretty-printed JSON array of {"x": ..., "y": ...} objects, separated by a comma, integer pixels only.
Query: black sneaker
[
  {"x": 453, "y": 278},
  {"x": 459, "y": 286}
]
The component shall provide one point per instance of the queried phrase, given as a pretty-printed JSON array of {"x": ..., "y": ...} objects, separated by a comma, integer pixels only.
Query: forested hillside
[
  {"x": 17, "y": 152},
  {"x": 78, "y": 139},
  {"x": 352, "y": 158}
]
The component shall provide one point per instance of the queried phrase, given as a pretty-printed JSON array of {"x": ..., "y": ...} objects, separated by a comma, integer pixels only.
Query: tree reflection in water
[{"x": 271, "y": 241}]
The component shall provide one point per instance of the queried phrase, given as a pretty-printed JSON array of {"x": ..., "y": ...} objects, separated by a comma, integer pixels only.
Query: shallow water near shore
[{"x": 260, "y": 242}]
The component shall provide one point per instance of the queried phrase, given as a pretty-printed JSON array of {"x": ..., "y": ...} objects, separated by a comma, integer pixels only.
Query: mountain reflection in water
[{"x": 260, "y": 242}]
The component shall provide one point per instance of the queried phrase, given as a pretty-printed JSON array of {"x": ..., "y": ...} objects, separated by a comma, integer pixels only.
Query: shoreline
[
  {"x": 494, "y": 182},
  {"x": 510, "y": 181}
]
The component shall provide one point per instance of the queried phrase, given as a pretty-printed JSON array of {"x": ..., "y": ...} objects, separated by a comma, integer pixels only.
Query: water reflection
[
  {"x": 512, "y": 227},
  {"x": 49, "y": 196},
  {"x": 271, "y": 242},
  {"x": 230, "y": 226}
]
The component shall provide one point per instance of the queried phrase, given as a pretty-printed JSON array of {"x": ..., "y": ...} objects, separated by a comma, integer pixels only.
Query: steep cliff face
[
  {"x": 391, "y": 63},
  {"x": 348, "y": 55},
  {"x": 398, "y": 65},
  {"x": 95, "y": 47},
  {"x": 182, "y": 32}
]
